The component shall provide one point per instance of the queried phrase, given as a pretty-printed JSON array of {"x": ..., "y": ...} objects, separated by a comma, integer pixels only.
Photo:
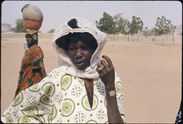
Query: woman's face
[
  {"x": 80, "y": 54},
  {"x": 30, "y": 40}
]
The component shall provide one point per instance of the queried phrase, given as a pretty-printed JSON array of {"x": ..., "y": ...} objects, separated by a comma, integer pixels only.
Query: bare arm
[{"x": 107, "y": 75}]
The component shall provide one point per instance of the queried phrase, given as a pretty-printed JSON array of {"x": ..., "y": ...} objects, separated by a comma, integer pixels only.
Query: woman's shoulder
[
  {"x": 57, "y": 71},
  {"x": 34, "y": 49},
  {"x": 54, "y": 76}
]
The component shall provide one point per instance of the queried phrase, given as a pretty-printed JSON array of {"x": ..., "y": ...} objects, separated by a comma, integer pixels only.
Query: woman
[
  {"x": 32, "y": 68},
  {"x": 84, "y": 89}
]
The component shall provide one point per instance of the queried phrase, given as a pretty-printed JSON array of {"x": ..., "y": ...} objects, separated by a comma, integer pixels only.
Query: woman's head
[
  {"x": 31, "y": 39},
  {"x": 85, "y": 36},
  {"x": 79, "y": 47}
]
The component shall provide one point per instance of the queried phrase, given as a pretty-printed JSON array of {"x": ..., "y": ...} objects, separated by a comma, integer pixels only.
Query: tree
[
  {"x": 6, "y": 27},
  {"x": 106, "y": 24},
  {"x": 135, "y": 25},
  {"x": 146, "y": 32},
  {"x": 121, "y": 24},
  {"x": 19, "y": 26},
  {"x": 172, "y": 30},
  {"x": 163, "y": 26},
  {"x": 126, "y": 30},
  {"x": 149, "y": 32},
  {"x": 117, "y": 24}
]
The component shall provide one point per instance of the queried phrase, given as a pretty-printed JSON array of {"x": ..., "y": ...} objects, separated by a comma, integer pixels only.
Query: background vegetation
[{"x": 117, "y": 25}]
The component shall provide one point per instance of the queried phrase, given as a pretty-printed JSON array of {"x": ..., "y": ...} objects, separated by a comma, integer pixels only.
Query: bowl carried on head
[{"x": 32, "y": 17}]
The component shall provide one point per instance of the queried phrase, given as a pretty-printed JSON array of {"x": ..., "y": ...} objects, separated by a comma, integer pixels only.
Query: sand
[{"x": 150, "y": 73}]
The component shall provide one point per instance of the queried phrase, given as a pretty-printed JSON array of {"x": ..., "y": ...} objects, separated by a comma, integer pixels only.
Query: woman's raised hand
[{"x": 106, "y": 72}]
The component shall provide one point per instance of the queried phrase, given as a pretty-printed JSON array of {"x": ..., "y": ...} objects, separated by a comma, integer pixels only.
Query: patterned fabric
[
  {"x": 32, "y": 61},
  {"x": 61, "y": 98}
]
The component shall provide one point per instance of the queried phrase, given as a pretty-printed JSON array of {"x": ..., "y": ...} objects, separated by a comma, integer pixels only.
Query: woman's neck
[{"x": 30, "y": 45}]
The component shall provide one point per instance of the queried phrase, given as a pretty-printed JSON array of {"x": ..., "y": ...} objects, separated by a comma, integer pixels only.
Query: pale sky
[{"x": 58, "y": 12}]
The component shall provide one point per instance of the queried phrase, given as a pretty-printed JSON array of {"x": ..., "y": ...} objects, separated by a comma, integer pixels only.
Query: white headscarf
[{"x": 66, "y": 63}]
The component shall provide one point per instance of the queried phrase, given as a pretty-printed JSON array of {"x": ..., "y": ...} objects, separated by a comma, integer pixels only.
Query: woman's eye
[
  {"x": 85, "y": 48},
  {"x": 72, "y": 48}
]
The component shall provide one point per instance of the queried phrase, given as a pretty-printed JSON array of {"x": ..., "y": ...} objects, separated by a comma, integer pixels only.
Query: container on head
[{"x": 32, "y": 17}]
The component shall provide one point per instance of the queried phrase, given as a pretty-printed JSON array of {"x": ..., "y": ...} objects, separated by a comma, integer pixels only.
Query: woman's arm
[
  {"x": 112, "y": 110},
  {"x": 107, "y": 75}
]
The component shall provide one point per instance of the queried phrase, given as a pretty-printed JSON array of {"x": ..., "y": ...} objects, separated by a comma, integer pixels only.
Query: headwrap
[
  {"x": 65, "y": 62},
  {"x": 35, "y": 36}
]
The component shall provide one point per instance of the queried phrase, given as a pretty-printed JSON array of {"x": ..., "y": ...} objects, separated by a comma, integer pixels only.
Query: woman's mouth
[{"x": 79, "y": 63}]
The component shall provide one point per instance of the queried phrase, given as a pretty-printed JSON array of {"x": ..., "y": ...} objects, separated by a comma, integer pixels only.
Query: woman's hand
[{"x": 107, "y": 73}]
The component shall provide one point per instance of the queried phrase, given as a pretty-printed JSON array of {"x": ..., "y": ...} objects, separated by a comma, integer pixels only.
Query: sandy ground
[{"x": 151, "y": 74}]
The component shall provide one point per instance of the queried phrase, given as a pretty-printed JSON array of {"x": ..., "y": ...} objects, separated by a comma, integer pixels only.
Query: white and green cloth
[{"x": 61, "y": 98}]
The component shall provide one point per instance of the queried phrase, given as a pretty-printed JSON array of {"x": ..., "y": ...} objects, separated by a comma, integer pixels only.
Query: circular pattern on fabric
[
  {"x": 49, "y": 88},
  {"x": 53, "y": 114},
  {"x": 66, "y": 81},
  {"x": 8, "y": 118},
  {"x": 45, "y": 99},
  {"x": 24, "y": 119},
  {"x": 34, "y": 88},
  {"x": 18, "y": 99},
  {"x": 91, "y": 122},
  {"x": 67, "y": 108},
  {"x": 118, "y": 87},
  {"x": 86, "y": 105},
  {"x": 30, "y": 111}
]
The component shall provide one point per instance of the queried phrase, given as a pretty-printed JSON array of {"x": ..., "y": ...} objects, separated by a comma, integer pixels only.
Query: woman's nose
[{"x": 78, "y": 54}]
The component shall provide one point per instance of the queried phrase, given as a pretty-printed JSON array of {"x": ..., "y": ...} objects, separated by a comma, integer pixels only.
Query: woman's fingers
[
  {"x": 108, "y": 61},
  {"x": 99, "y": 67},
  {"x": 105, "y": 66},
  {"x": 106, "y": 71}
]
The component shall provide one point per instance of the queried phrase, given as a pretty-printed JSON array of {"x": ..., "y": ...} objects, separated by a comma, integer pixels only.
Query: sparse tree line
[{"x": 116, "y": 25}]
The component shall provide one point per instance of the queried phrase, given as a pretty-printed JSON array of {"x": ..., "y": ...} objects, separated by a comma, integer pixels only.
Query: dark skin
[
  {"x": 30, "y": 40},
  {"x": 80, "y": 55}
]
